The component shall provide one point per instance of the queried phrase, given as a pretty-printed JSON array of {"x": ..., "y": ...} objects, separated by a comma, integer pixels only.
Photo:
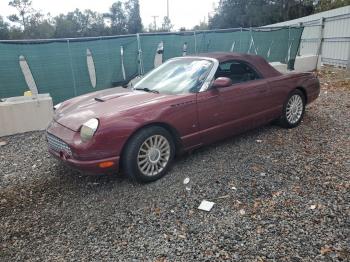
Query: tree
[
  {"x": 32, "y": 24},
  {"x": 252, "y": 13},
  {"x": 229, "y": 14},
  {"x": 15, "y": 33},
  {"x": 202, "y": 26},
  {"x": 90, "y": 23},
  {"x": 167, "y": 25},
  {"x": 39, "y": 27},
  {"x": 79, "y": 24},
  {"x": 117, "y": 19},
  {"x": 134, "y": 23},
  {"x": 24, "y": 10},
  {"x": 66, "y": 26},
  {"x": 4, "y": 29},
  {"x": 324, "y": 5}
]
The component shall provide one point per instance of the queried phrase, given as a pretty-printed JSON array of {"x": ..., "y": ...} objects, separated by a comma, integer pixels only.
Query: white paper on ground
[
  {"x": 206, "y": 205},
  {"x": 186, "y": 180}
]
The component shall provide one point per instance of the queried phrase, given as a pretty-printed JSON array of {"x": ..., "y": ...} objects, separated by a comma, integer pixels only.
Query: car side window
[{"x": 237, "y": 71}]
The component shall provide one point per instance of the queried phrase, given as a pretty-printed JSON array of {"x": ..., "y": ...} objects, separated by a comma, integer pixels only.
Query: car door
[
  {"x": 209, "y": 110},
  {"x": 244, "y": 105},
  {"x": 235, "y": 108}
]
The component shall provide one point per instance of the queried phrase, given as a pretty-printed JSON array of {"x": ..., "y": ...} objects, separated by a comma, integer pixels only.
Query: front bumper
[
  {"x": 89, "y": 166},
  {"x": 62, "y": 144}
]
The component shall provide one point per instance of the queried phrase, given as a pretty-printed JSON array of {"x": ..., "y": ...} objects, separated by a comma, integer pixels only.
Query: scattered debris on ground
[
  {"x": 333, "y": 78},
  {"x": 206, "y": 205}
]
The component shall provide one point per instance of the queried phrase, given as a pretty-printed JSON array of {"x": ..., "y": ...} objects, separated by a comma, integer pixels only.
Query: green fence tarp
[{"x": 59, "y": 66}]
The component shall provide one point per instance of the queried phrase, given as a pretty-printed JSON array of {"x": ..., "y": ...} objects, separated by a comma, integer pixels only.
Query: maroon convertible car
[{"x": 183, "y": 104}]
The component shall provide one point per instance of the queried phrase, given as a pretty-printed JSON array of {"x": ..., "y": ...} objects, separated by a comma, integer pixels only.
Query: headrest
[{"x": 237, "y": 69}]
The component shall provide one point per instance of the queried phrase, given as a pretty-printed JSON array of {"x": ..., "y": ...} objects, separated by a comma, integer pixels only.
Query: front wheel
[
  {"x": 293, "y": 110},
  {"x": 149, "y": 154}
]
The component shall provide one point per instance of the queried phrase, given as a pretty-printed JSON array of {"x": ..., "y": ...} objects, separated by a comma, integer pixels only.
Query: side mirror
[{"x": 222, "y": 82}]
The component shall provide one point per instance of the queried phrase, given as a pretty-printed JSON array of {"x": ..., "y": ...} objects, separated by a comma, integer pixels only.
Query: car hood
[{"x": 102, "y": 104}]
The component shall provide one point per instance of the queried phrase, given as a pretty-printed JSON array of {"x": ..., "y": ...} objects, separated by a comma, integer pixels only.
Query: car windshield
[{"x": 178, "y": 76}]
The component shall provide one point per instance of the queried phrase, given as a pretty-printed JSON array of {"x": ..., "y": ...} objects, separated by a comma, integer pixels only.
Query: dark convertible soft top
[{"x": 256, "y": 61}]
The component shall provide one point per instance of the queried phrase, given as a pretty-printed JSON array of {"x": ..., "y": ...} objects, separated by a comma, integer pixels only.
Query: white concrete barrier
[
  {"x": 307, "y": 63},
  {"x": 280, "y": 67},
  {"x": 25, "y": 113},
  {"x": 304, "y": 63}
]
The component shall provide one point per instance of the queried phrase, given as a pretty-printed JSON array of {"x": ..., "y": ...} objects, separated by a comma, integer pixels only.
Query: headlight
[
  {"x": 88, "y": 129},
  {"x": 57, "y": 106}
]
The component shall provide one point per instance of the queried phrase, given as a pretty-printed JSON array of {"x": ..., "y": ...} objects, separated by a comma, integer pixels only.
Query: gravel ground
[{"x": 284, "y": 198}]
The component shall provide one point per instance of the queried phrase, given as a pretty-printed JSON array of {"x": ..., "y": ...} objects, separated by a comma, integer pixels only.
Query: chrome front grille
[{"x": 56, "y": 144}]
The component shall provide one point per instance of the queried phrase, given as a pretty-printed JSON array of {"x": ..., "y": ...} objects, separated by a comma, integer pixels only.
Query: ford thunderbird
[{"x": 185, "y": 103}]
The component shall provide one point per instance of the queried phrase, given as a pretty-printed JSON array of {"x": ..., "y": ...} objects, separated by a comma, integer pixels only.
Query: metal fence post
[
  {"x": 348, "y": 63},
  {"x": 252, "y": 43},
  {"x": 288, "y": 47},
  {"x": 240, "y": 40},
  {"x": 71, "y": 67},
  {"x": 140, "y": 57},
  {"x": 251, "y": 38},
  {"x": 195, "y": 42},
  {"x": 319, "y": 50},
  {"x": 299, "y": 48}
]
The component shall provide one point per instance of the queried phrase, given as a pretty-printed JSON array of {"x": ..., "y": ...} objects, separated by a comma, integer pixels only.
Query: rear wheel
[
  {"x": 293, "y": 110},
  {"x": 149, "y": 154}
]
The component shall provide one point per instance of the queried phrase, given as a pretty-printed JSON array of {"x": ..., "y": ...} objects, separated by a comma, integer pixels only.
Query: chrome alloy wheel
[
  {"x": 294, "y": 109},
  {"x": 153, "y": 155}
]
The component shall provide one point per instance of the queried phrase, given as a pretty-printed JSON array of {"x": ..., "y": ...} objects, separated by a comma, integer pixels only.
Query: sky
[{"x": 183, "y": 13}]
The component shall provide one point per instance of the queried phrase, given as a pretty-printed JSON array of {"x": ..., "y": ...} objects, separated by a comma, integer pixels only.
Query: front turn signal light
[{"x": 106, "y": 164}]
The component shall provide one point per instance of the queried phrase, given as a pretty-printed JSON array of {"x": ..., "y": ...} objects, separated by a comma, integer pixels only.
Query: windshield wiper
[{"x": 148, "y": 90}]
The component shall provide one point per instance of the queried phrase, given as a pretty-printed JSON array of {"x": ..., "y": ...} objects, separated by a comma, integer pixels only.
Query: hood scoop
[{"x": 104, "y": 98}]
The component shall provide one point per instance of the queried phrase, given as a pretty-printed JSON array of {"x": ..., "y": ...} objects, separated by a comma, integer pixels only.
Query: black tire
[
  {"x": 284, "y": 121},
  {"x": 130, "y": 162}
]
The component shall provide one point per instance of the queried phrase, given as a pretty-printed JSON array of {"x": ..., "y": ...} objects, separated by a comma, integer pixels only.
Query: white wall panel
[{"x": 336, "y": 35}]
